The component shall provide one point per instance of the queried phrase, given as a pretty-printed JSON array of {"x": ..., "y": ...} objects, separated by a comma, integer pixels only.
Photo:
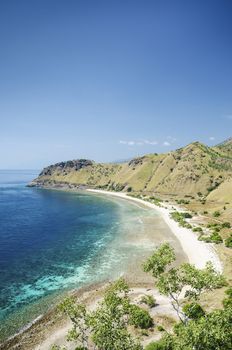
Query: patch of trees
[{"x": 111, "y": 326}]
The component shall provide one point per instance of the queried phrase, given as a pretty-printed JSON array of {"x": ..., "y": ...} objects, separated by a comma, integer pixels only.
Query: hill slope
[{"x": 190, "y": 170}]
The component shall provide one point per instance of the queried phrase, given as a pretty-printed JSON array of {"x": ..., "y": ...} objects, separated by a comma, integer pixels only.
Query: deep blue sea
[{"x": 53, "y": 241}]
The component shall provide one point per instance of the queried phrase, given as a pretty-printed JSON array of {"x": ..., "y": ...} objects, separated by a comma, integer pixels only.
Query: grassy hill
[{"x": 194, "y": 170}]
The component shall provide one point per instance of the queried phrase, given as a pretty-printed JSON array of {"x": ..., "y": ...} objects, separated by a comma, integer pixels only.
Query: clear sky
[{"x": 109, "y": 80}]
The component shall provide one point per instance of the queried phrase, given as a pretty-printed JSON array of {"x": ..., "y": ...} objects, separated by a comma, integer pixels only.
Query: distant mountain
[{"x": 192, "y": 170}]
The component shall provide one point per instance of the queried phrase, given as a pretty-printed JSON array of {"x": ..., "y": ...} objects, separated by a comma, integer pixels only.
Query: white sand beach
[{"x": 198, "y": 252}]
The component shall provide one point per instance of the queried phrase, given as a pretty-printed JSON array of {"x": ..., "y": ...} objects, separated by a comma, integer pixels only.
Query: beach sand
[{"x": 197, "y": 252}]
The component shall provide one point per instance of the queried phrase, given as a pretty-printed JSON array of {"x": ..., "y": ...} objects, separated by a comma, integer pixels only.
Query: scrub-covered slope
[{"x": 190, "y": 170}]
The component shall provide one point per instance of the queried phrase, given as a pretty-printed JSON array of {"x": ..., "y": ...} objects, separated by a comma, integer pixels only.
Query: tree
[
  {"x": 139, "y": 318},
  {"x": 158, "y": 262},
  {"x": 212, "y": 332},
  {"x": 107, "y": 327},
  {"x": 184, "y": 282},
  {"x": 197, "y": 330},
  {"x": 109, "y": 322}
]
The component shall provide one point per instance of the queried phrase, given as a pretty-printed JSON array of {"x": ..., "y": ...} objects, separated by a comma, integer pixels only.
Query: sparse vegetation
[
  {"x": 139, "y": 318},
  {"x": 228, "y": 241},
  {"x": 180, "y": 218},
  {"x": 148, "y": 300}
]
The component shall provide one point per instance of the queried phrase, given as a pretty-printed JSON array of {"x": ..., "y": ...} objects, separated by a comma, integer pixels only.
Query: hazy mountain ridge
[{"x": 190, "y": 170}]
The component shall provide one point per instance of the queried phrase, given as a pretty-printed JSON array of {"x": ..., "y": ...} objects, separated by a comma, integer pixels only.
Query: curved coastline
[
  {"x": 139, "y": 234},
  {"x": 197, "y": 252}
]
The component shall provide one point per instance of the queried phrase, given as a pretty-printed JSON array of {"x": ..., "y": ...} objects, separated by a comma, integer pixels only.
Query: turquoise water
[{"x": 53, "y": 241}]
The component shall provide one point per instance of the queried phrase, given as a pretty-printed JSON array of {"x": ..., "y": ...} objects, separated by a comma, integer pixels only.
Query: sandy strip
[{"x": 198, "y": 252}]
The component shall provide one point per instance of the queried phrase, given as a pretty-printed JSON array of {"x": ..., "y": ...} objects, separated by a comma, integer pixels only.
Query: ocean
[{"x": 55, "y": 241}]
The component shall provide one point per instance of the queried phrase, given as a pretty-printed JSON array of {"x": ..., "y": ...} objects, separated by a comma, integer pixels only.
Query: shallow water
[{"x": 54, "y": 241}]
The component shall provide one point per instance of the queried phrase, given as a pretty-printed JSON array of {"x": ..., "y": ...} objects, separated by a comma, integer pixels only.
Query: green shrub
[
  {"x": 165, "y": 343},
  {"x": 226, "y": 225},
  {"x": 186, "y": 215},
  {"x": 197, "y": 229},
  {"x": 188, "y": 226},
  {"x": 148, "y": 300},
  {"x": 139, "y": 317},
  {"x": 182, "y": 201},
  {"x": 144, "y": 332},
  {"x": 228, "y": 241},
  {"x": 216, "y": 214},
  {"x": 193, "y": 311},
  {"x": 216, "y": 238},
  {"x": 206, "y": 239},
  {"x": 227, "y": 302},
  {"x": 180, "y": 218},
  {"x": 160, "y": 328}
]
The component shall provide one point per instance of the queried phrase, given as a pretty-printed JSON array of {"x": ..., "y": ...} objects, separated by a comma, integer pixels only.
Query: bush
[
  {"x": 216, "y": 238},
  {"x": 193, "y": 311},
  {"x": 139, "y": 317},
  {"x": 206, "y": 239},
  {"x": 226, "y": 225},
  {"x": 148, "y": 300},
  {"x": 197, "y": 229},
  {"x": 165, "y": 343},
  {"x": 187, "y": 215},
  {"x": 216, "y": 214},
  {"x": 188, "y": 226},
  {"x": 227, "y": 302},
  {"x": 129, "y": 189},
  {"x": 180, "y": 218},
  {"x": 228, "y": 241}
]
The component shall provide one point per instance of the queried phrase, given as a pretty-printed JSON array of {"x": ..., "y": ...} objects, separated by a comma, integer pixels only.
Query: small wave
[{"x": 27, "y": 326}]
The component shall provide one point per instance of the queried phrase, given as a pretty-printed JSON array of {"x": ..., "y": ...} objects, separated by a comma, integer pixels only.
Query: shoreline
[
  {"x": 141, "y": 243},
  {"x": 197, "y": 252}
]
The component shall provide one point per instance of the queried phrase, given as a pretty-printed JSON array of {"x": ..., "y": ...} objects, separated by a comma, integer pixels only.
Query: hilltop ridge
[{"x": 190, "y": 170}]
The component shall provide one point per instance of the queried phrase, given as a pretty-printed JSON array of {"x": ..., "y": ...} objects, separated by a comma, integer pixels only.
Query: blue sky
[{"x": 109, "y": 80}]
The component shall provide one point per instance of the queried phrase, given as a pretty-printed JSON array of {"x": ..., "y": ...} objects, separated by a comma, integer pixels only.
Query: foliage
[
  {"x": 193, "y": 310},
  {"x": 228, "y": 241},
  {"x": 106, "y": 327},
  {"x": 78, "y": 315},
  {"x": 139, "y": 318},
  {"x": 197, "y": 229},
  {"x": 207, "y": 332},
  {"x": 180, "y": 218},
  {"x": 216, "y": 214},
  {"x": 173, "y": 281},
  {"x": 186, "y": 215},
  {"x": 227, "y": 302},
  {"x": 182, "y": 201},
  {"x": 215, "y": 238},
  {"x": 158, "y": 262},
  {"x": 165, "y": 343},
  {"x": 148, "y": 300},
  {"x": 226, "y": 225}
]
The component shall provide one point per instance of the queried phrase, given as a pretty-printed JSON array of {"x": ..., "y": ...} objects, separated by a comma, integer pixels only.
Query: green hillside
[{"x": 189, "y": 171}]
